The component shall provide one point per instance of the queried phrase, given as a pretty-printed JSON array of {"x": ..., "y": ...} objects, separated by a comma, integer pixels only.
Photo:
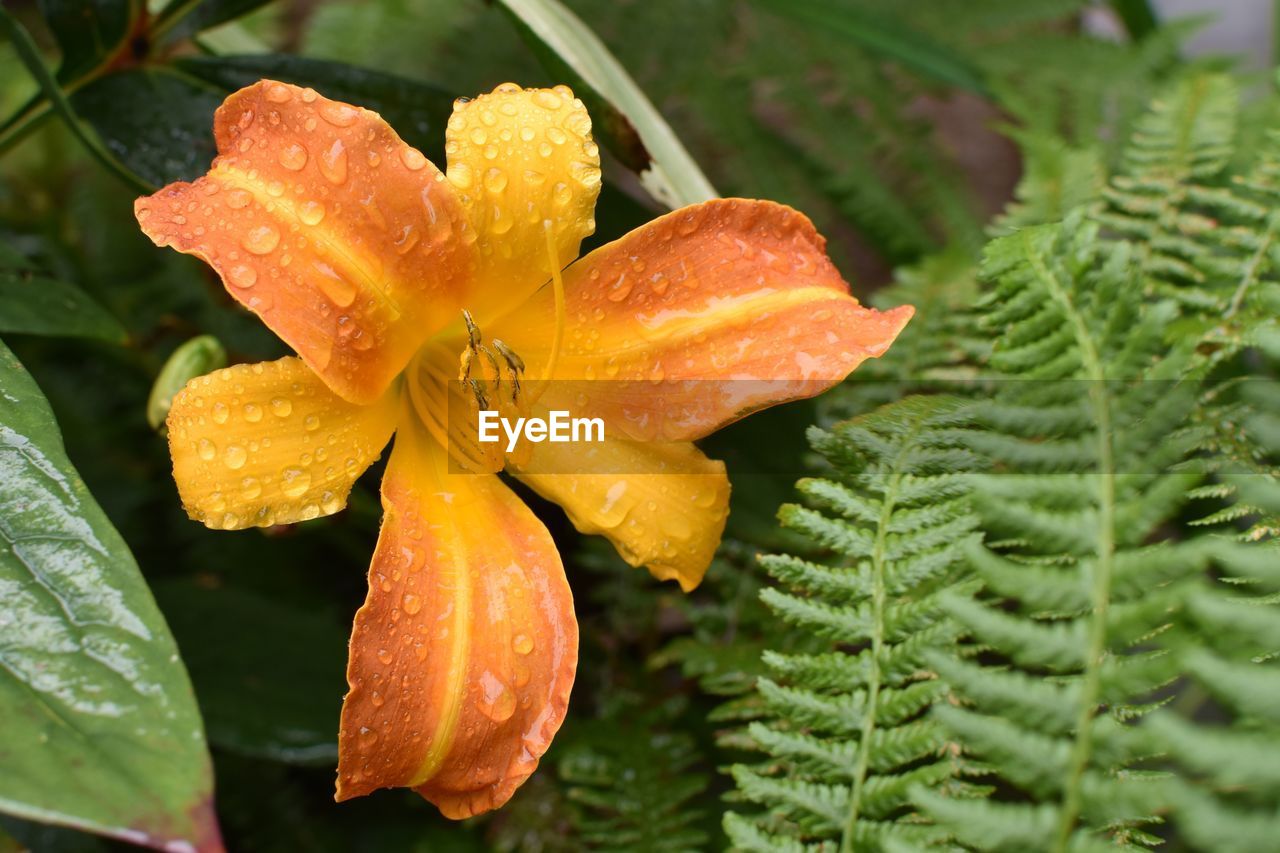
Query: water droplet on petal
[
  {"x": 234, "y": 457},
  {"x": 281, "y": 407},
  {"x": 411, "y": 603},
  {"x": 293, "y": 156},
  {"x": 277, "y": 93},
  {"x": 339, "y": 115},
  {"x": 412, "y": 159},
  {"x": 497, "y": 701},
  {"x": 311, "y": 212},
  {"x": 220, "y": 413},
  {"x": 522, "y": 644},
  {"x": 207, "y": 449},
  {"x": 261, "y": 239},
  {"x": 333, "y": 162},
  {"x": 294, "y": 482},
  {"x": 252, "y": 412},
  {"x": 242, "y": 276}
]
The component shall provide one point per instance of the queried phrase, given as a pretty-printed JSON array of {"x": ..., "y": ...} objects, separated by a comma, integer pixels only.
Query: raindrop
[
  {"x": 281, "y": 407},
  {"x": 293, "y": 156},
  {"x": 206, "y": 449},
  {"x": 333, "y": 162},
  {"x": 294, "y": 482},
  {"x": 522, "y": 643},
  {"x": 311, "y": 212},
  {"x": 339, "y": 115},
  {"x": 242, "y": 276},
  {"x": 261, "y": 239},
  {"x": 220, "y": 413},
  {"x": 411, "y": 603},
  {"x": 252, "y": 412},
  {"x": 412, "y": 159},
  {"x": 234, "y": 457}
]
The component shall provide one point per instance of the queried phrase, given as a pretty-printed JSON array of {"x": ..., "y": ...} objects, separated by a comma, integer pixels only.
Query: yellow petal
[
  {"x": 263, "y": 444},
  {"x": 523, "y": 162},
  {"x": 463, "y": 655},
  {"x": 348, "y": 243},
  {"x": 663, "y": 506}
]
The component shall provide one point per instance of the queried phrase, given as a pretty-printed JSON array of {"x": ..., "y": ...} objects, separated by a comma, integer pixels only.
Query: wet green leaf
[
  {"x": 182, "y": 18},
  {"x": 89, "y": 32},
  {"x": 101, "y": 730},
  {"x": 269, "y": 675},
  {"x": 34, "y": 303},
  {"x": 156, "y": 121}
]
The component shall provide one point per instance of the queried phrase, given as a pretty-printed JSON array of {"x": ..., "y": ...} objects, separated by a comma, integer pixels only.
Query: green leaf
[
  {"x": 158, "y": 122},
  {"x": 101, "y": 730},
  {"x": 272, "y": 687},
  {"x": 183, "y": 18},
  {"x": 417, "y": 111},
  {"x": 887, "y": 36},
  {"x": 34, "y": 303},
  {"x": 89, "y": 32},
  {"x": 626, "y": 120}
]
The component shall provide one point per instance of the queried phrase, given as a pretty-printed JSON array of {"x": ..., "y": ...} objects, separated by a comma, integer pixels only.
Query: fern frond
[
  {"x": 1084, "y": 439},
  {"x": 846, "y": 734}
]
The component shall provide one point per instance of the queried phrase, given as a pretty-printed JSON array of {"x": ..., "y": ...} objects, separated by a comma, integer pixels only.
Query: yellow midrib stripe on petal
[
  {"x": 676, "y": 323},
  {"x": 332, "y": 246},
  {"x": 455, "y": 689}
]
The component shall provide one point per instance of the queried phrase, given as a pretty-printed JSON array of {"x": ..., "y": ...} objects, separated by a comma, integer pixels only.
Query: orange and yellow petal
[
  {"x": 663, "y": 506},
  {"x": 260, "y": 444},
  {"x": 463, "y": 655},
  {"x": 346, "y": 241},
  {"x": 528, "y": 173},
  {"x": 697, "y": 319}
]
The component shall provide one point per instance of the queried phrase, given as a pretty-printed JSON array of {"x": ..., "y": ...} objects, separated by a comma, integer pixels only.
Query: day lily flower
[{"x": 391, "y": 280}]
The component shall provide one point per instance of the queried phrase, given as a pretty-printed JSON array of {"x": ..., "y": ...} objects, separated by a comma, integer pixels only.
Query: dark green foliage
[{"x": 844, "y": 727}]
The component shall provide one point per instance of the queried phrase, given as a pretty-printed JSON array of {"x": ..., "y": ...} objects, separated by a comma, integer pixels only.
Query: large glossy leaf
[
  {"x": 625, "y": 119},
  {"x": 269, "y": 675},
  {"x": 157, "y": 122},
  {"x": 100, "y": 728},
  {"x": 416, "y": 110},
  {"x": 34, "y": 303},
  {"x": 89, "y": 32}
]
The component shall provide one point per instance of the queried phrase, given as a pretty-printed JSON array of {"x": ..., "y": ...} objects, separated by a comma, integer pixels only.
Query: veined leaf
[
  {"x": 101, "y": 730},
  {"x": 34, "y": 303},
  {"x": 89, "y": 32},
  {"x": 158, "y": 122},
  {"x": 627, "y": 122},
  {"x": 182, "y": 18}
]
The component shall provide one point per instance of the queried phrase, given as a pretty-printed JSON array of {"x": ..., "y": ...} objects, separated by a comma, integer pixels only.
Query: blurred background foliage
[{"x": 902, "y": 129}]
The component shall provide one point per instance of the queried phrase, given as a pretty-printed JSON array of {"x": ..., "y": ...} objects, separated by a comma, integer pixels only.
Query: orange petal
[
  {"x": 663, "y": 506},
  {"x": 464, "y": 652},
  {"x": 344, "y": 239},
  {"x": 525, "y": 166},
  {"x": 699, "y": 318},
  {"x": 263, "y": 444}
]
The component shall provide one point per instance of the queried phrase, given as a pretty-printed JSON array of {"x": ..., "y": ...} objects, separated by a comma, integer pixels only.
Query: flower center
[{"x": 490, "y": 376}]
